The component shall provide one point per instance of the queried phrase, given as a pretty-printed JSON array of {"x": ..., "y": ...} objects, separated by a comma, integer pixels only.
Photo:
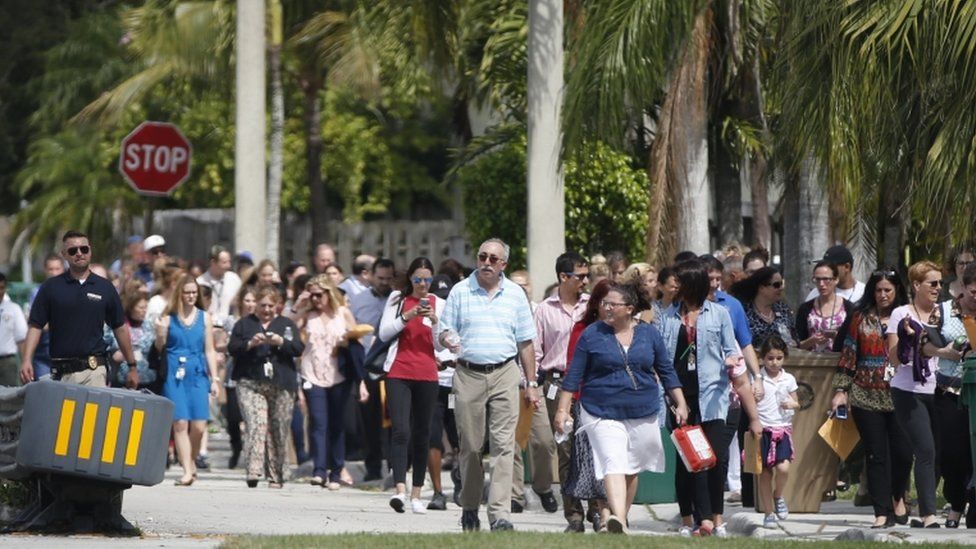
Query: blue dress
[{"x": 185, "y": 347}]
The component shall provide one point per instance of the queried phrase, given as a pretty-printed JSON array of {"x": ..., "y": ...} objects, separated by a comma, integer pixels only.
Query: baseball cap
[
  {"x": 838, "y": 255},
  {"x": 441, "y": 286},
  {"x": 133, "y": 239},
  {"x": 245, "y": 256},
  {"x": 153, "y": 241}
]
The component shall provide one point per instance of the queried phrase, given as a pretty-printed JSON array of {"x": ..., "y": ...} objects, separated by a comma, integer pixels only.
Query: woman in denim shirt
[
  {"x": 143, "y": 336},
  {"x": 616, "y": 362},
  {"x": 698, "y": 335}
]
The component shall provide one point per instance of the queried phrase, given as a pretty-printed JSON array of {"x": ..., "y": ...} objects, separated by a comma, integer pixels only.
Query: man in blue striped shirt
[{"x": 491, "y": 314}]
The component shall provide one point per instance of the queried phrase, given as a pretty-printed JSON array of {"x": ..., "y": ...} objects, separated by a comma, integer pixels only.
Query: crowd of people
[{"x": 428, "y": 368}]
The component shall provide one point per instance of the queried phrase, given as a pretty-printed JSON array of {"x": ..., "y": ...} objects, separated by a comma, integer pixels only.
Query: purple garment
[{"x": 910, "y": 349}]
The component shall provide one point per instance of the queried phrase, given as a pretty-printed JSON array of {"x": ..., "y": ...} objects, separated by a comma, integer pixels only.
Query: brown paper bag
[
  {"x": 841, "y": 435},
  {"x": 524, "y": 425},
  {"x": 753, "y": 462}
]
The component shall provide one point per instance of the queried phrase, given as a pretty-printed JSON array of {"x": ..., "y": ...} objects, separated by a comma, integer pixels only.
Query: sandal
[{"x": 181, "y": 482}]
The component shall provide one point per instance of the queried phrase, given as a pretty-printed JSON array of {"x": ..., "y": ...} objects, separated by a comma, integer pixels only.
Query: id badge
[
  {"x": 552, "y": 392},
  {"x": 180, "y": 373},
  {"x": 451, "y": 399},
  {"x": 692, "y": 362},
  {"x": 268, "y": 369}
]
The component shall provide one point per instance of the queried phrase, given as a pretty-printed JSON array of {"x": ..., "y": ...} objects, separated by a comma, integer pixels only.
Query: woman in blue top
[
  {"x": 698, "y": 336},
  {"x": 616, "y": 361},
  {"x": 185, "y": 332}
]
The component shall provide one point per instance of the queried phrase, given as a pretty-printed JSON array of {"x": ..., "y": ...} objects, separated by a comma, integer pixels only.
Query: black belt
[
  {"x": 484, "y": 368},
  {"x": 61, "y": 366},
  {"x": 2, "y": 357}
]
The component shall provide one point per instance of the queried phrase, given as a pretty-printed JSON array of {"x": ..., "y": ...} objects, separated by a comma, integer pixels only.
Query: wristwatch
[{"x": 534, "y": 384}]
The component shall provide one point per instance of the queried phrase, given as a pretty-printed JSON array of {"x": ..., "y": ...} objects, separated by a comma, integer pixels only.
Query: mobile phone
[
  {"x": 424, "y": 302},
  {"x": 841, "y": 412}
]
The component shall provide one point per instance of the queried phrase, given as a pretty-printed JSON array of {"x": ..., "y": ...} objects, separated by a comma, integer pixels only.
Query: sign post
[{"x": 155, "y": 158}]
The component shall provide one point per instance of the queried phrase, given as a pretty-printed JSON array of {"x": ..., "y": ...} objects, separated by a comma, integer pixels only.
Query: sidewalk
[{"x": 219, "y": 504}]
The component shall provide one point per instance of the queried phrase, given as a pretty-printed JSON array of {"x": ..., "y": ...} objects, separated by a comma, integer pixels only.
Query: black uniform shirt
[{"x": 76, "y": 314}]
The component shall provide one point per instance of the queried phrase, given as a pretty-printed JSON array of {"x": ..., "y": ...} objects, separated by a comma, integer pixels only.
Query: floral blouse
[
  {"x": 861, "y": 370},
  {"x": 762, "y": 328}
]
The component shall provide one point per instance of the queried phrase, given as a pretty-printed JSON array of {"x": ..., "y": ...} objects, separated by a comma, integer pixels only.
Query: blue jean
[{"x": 327, "y": 431}]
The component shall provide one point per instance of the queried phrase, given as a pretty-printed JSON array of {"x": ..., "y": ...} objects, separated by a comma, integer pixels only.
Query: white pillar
[
  {"x": 546, "y": 211},
  {"x": 249, "y": 152}
]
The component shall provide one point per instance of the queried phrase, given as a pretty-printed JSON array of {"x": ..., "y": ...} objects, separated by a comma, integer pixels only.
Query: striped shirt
[{"x": 490, "y": 327}]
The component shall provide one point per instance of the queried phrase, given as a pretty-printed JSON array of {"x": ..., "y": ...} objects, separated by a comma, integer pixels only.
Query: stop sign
[{"x": 155, "y": 158}]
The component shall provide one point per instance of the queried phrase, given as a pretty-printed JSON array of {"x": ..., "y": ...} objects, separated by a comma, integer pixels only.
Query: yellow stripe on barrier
[
  {"x": 135, "y": 433},
  {"x": 87, "y": 430},
  {"x": 64, "y": 427},
  {"x": 111, "y": 434}
]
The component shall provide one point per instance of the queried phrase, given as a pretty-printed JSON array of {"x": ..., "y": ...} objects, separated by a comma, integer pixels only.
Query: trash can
[{"x": 659, "y": 487}]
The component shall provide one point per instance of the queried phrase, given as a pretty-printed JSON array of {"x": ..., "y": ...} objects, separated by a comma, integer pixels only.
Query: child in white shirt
[{"x": 776, "y": 411}]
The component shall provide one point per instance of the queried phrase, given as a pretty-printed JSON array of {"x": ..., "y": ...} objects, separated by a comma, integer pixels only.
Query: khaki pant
[
  {"x": 542, "y": 452},
  {"x": 493, "y": 394},
  {"x": 10, "y": 371},
  {"x": 88, "y": 377}
]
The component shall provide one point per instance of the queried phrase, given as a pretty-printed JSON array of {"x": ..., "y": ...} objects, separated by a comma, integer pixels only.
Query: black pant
[
  {"x": 411, "y": 405},
  {"x": 702, "y": 493},
  {"x": 372, "y": 434},
  {"x": 443, "y": 422},
  {"x": 916, "y": 415},
  {"x": 953, "y": 449},
  {"x": 889, "y": 457},
  {"x": 232, "y": 413}
]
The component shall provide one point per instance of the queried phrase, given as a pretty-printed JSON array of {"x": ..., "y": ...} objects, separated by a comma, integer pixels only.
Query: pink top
[
  {"x": 831, "y": 324},
  {"x": 320, "y": 365},
  {"x": 903, "y": 376},
  {"x": 553, "y": 324}
]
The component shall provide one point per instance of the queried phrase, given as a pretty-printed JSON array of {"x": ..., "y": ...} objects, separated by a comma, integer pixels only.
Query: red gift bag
[{"x": 693, "y": 447}]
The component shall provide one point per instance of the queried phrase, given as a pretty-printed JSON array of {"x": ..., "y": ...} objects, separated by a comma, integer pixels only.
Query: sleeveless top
[{"x": 188, "y": 342}]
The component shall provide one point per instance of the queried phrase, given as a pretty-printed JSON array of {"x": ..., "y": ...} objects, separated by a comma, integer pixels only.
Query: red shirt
[{"x": 415, "y": 348}]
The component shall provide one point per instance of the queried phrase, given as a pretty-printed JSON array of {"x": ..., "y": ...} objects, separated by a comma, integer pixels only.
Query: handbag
[
  {"x": 581, "y": 482},
  {"x": 693, "y": 448},
  {"x": 376, "y": 356},
  {"x": 841, "y": 435}
]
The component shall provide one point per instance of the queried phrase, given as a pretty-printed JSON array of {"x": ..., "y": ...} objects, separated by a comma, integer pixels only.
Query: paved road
[{"x": 220, "y": 504}]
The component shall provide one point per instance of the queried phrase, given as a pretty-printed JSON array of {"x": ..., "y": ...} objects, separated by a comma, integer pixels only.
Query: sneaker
[
  {"x": 734, "y": 497},
  {"x": 469, "y": 521},
  {"x": 721, "y": 531},
  {"x": 437, "y": 503},
  {"x": 517, "y": 507},
  {"x": 685, "y": 531},
  {"x": 202, "y": 463},
  {"x": 332, "y": 485},
  {"x": 317, "y": 481},
  {"x": 769, "y": 521},
  {"x": 615, "y": 525},
  {"x": 781, "y": 510},
  {"x": 397, "y": 502},
  {"x": 418, "y": 506},
  {"x": 549, "y": 502},
  {"x": 575, "y": 526},
  {"x": 501, "y": 525}
]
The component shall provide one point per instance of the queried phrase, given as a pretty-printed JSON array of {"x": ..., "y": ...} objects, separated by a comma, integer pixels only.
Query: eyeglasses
[
  {"x": 884, "y": 274},
  {"x": 612, "y": 304},
  {"x": 579, "y": 276},
  {"x": 822, "y": 279},
  {"x": 425, "y": 280},
  {"x": 778, "y": 284},
  {"x": 934, "y": 283},
  {"x": 85, "y": 250},
  {"x": 488, "y": 258},
  {"x": 963, "y": 263}
]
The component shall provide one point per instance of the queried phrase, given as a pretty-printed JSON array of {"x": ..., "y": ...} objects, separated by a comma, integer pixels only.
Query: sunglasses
[
  {"x": 778, "y": 284},
  {"x": 884, "y": 274},
  {"x": 486, "y": 258},
  {"x": 933, "y": 283},
  {"x": 425, "y": 280},
  {"x": 85, "y": 250},
  {"x": 579, "y": 276},
  {"x": 157, "y": 251}
]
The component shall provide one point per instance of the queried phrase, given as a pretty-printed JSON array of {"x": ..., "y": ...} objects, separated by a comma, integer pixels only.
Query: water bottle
[
  {"x": 287, "y": 335},
  {"x": 452, "y": 339},
  {"x": 567, "y": 429}
]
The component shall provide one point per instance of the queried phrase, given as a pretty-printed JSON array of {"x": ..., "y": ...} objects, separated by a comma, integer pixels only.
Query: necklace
[
  {"x": 769, "y": 317},
  {"x": 833, "y": 311}
]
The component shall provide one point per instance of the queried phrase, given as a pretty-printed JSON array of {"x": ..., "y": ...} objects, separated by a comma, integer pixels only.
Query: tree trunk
[
  {"x": 249, "y": 149},
  {"x": 805, "y": 219},
  {"x": 276, "y": 158},
  {"x": 728, "y": 192},
  {"x": 678, "y": 167},
  {"x": 752, "y": 108},
  {"x": 313, "y": 162},
  {"x": 891, "y": 227}
]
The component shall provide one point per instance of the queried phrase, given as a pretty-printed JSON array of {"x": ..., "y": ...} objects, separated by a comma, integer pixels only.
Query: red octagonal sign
[{"x": 155, "y": 158}]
